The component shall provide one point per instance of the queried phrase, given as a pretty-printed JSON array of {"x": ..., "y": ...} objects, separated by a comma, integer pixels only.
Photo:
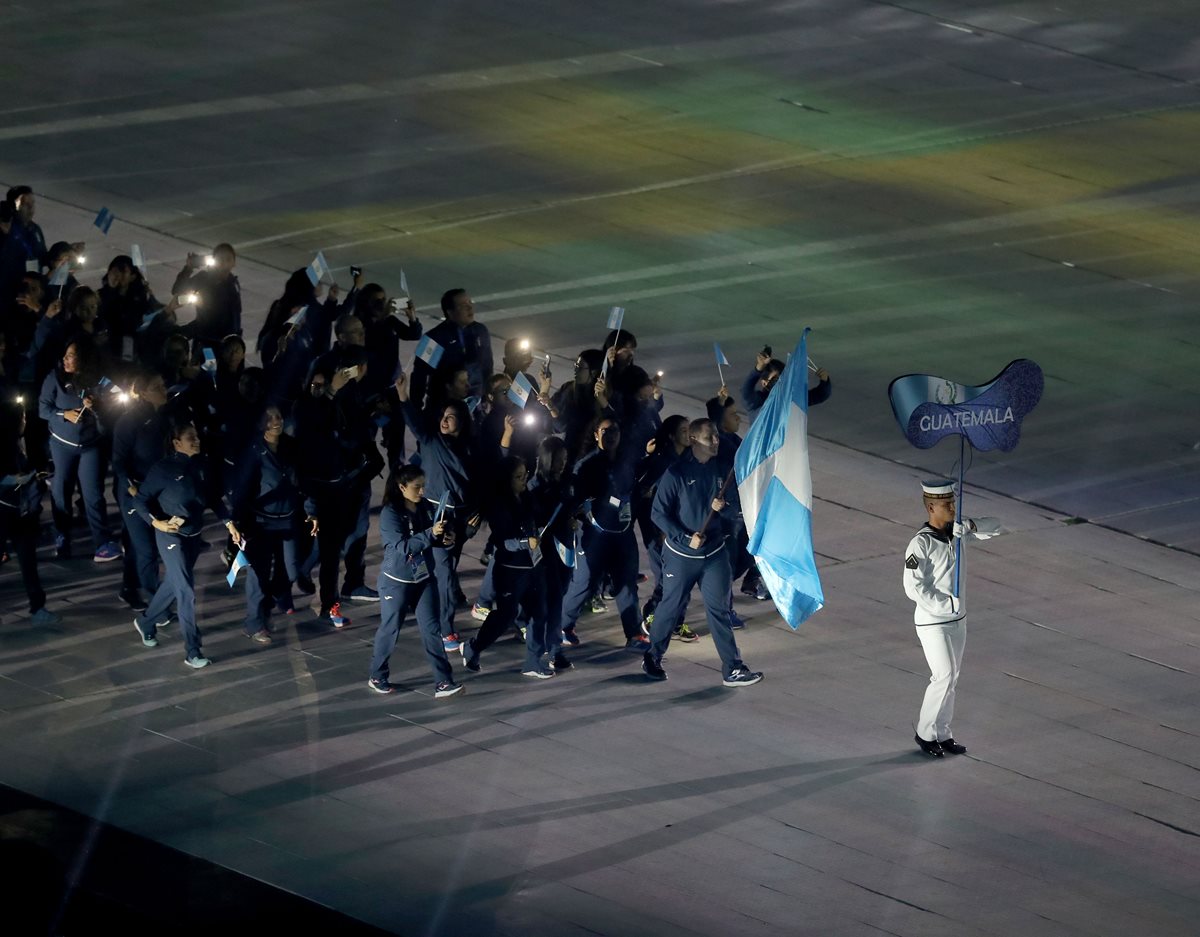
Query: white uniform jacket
[{"x": 929, "y": 571}]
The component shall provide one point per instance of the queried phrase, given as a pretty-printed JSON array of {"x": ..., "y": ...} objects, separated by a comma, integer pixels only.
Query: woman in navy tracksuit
[
  {"x": 408, "y": 531},
  {"x": 266, "y": 508},
  {"x": 172, "y": 499},
  {"x": 552, "y": 491},
  {"x": 66, "y": 403},
  {"x": 446, "y": 457},
  {"x": 519, "y": 581}
]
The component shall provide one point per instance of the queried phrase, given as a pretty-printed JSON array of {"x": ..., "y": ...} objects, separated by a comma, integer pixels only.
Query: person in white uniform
[{"x": 940, "y": 616}]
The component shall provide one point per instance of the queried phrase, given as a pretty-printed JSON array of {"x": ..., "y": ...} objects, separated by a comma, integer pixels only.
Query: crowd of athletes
[{"x": 139, "y": 420}]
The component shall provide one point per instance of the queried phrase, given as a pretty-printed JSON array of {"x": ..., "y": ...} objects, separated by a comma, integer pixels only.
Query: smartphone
[
  {"x": 350, "y": 372},
  {"x": 355, "y": 271},
  {"x": 767, "y": 351}
]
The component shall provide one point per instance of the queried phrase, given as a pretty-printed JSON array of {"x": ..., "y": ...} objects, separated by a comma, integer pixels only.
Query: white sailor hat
[{"x": 937, "y": 488}]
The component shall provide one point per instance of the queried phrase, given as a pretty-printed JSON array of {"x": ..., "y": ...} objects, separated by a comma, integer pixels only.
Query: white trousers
[{"x": 943, "y": 646}]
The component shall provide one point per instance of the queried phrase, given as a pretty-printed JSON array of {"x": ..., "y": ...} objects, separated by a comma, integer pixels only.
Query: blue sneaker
[
  {"x": 451, "y": 642},
  {"x": 363, "y": 594},
  {"x": 735, "y": 621},
  {"x": 62, "y": 547},
  {"x": 147, "y": 640},
  {"x": 43, "y": 616},
  {"x": 107, "y": 552}
]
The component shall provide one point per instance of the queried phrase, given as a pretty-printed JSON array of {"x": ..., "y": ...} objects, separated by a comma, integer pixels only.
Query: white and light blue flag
[
  {"x": 568, "y": 555},
  {"x": 104, "y": 220},
  {"x": 60, "y": 274},
  {"x": 429, "y": 351},
  {"x": 404, "y": 284},
  {"x": 775, "y": 487},
  {"x": 135, "y": 255},
  {"x": 239, "y": 562},
  {"x": 318, "y": 270},
  {"x": 616, "y": 317},
  {"x": 520, "y": 390},
  {"x": 722, "y": 361}
]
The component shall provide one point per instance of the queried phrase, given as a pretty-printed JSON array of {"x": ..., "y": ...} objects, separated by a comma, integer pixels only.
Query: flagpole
[
  {"x": 962, "y": 445},
  {"x": 719, "y": 497}
]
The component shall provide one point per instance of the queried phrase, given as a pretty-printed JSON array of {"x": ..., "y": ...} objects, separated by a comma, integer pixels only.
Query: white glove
[{"x": 961, "y": 530}]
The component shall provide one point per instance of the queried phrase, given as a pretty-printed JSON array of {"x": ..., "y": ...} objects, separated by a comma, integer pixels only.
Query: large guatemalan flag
[{"x": 775, "y": 486}]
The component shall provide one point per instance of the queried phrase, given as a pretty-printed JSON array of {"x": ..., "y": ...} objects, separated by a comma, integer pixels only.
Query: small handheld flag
[
  {"x": 519, "y": 390},
  {"x": 104, "y": 220},
  {"x": 147, "y": 319},
  {"x": 472, "y": 404},
  {"x": 441, "y": 510},
  {"x": 404, "y": 283},
  {"x": 566, "y": 554},
  {"x": 135, "y": 254},
  {"x": 297, "y": 317},
  {"x": 616, "y": 317},
  {"x": 429, "y": 351},
  {"x": 721, "y": 361},
  {"x": 318, "y": 270},
  {"x": 105, "y": 384},
  {"x": 61, "y": 272},
  {"x": 239, "y": 562},
  {"x": 210, "y": 361}
]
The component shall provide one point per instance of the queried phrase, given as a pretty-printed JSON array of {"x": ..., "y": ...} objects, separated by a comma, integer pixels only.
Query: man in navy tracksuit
[
  {"x": 466, "y": 345},
  {"x": 138, "y": 441},
  {"x": 605, "y": 478},
  {"x": 695, "y": 552}
]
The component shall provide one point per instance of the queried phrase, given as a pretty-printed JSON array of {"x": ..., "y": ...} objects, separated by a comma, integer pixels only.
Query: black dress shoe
[
  {"x": 932, "y": 749},
  {"x": 951, "y": 747}
]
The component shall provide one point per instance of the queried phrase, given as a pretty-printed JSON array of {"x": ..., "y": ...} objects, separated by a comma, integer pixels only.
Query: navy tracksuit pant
[
  {"x": 605, "y": 552},
  {"x": 445, "y": 572},
  {"x": 344, "y": 518},
  {"x": 85, "y": 465},
  {"x": 680, "y": 575},
  {"x": 517, "y": 589},
  {"x": 178, "y": 555},
  {"x": 272, "y": 558},
  {"x": 140, "y": 563},
  {"x": 395, "y": 599},
  {"x": 21, "y": 531}
]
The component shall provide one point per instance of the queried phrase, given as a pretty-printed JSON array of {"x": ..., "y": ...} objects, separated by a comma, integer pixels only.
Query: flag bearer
[
  {"x": 694, "y": 551},
  {"x": 940, "y": 615}
]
